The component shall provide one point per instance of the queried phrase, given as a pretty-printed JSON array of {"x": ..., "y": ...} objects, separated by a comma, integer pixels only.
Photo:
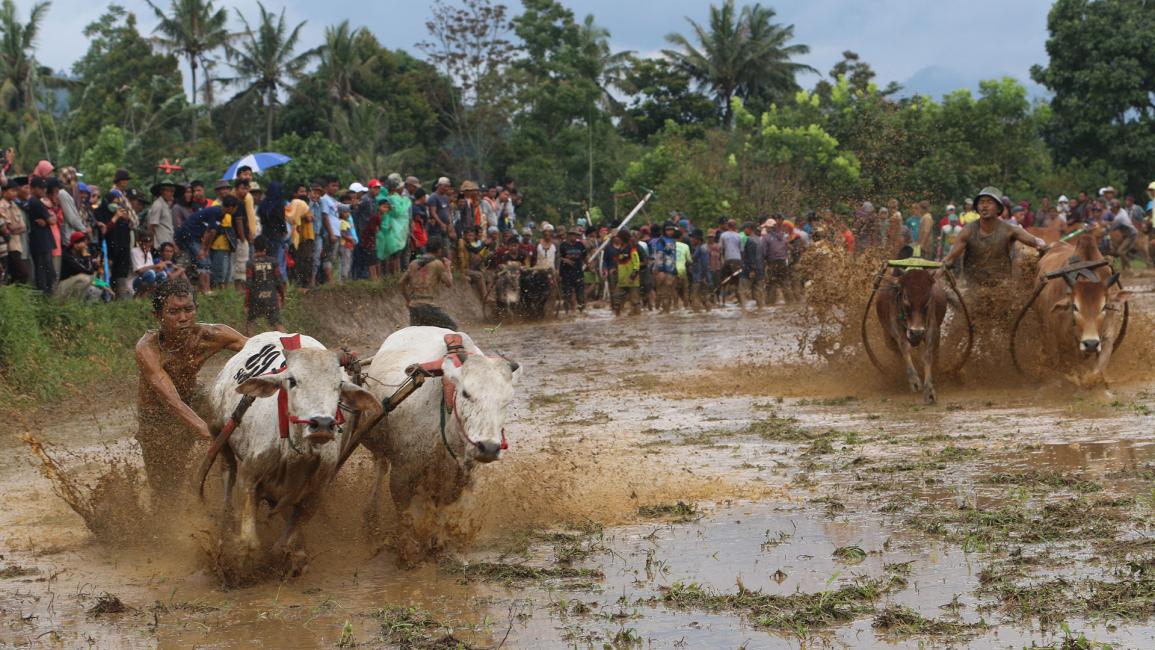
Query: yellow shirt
[
  {"x": 295, "y": 214},
  {"x": 221, "y": 243},
  {"x": 968, "y": 217},
  {"x": 252, "y": 214}
]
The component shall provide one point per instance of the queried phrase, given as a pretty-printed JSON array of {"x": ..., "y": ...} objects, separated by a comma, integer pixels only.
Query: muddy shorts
[
  {"x": 167, "y": 445},
  {"x": 425, "y": 314}
]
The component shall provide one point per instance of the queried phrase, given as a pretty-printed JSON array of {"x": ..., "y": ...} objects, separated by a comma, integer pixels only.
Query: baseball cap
[
  {"x": 373, "y": 182},
  {"x": 444, "y": 180},
  {"x": 412, "y": 180},
  {"x": 75, "y": 237},
  {"x": 222, "y": 184},
  {"x": 357, "y": 187}
]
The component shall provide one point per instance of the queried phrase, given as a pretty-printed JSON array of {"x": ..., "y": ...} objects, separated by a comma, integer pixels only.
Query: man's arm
[
  {"x": 960, "y": 246},
  {"x": 151, "y": 371},
  {"x": 1027, "y": 239},
  {"x": 227, "y": 338},
  {"x": 446, "y": 274},
  {"x": 206, "y": 241}
]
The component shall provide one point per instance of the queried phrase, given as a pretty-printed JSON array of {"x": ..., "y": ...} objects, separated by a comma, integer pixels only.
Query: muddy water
[{"x": 614, "y": 416}]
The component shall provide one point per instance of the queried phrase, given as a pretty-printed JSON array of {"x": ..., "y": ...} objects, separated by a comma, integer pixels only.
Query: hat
[
  {"x": 968, "y": 201},
  {"x": 121, "y": 175},
  {"x": 468, "y": 186},
  {"x": 157, "y": 188},
  {"x": 950, "y": 208},
  {"x": 412, "y": 180},
  {"x": 669, "y": 225},
  {"x": 991, "y": 192},
  {"x": 76, "y": 237},
  {"x": 1151, "y": 187},
  {"x": 223, "y": 184},
  {"x": 546, "y": 226},
  {"x": 135, "y": 194},
  {"x": 444, "y": 180},
  {"x": 255, "y": 187},
  {"x": 19, "y": 181},
  {"x": 393, "y": 181},
  {"x": 359, "y": 188},
  {"x": 1063, "y": 197},
  {"x": 1108, "y": 189},
  {"x": 373, "y": 182},
  {"x": 527, "y": 231},
  {"x": 83, "y": 187},
  {"x": 576, "y": 230}
]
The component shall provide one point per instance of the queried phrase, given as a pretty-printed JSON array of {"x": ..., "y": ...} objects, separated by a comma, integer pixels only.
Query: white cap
[
  {"x": 1063, "y": 199},
  {"x": 1108, "y": 189},
  {"x": 546, "y": 226},
  {"x": 1102, "y": 190},
  {"x": 1151, "y": 187},
  {"x": 444, "y": 180},
  {"x": 357, "y": 187},
  {"x": 950, "y": 208}
]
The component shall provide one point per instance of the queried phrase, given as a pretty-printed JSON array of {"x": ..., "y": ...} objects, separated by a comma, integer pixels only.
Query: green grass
[{"x": 52, "y": 350}]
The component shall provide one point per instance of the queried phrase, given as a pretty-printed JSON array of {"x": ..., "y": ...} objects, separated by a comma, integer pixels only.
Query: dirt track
[{"x": 670, "y": 481}]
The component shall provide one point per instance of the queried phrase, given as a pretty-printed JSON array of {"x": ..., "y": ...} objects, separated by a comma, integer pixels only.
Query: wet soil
[{"x": 672, "y": 481}]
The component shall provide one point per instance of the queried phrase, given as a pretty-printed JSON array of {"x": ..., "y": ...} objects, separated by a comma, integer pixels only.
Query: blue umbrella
[{"x": 259, "y": 162}]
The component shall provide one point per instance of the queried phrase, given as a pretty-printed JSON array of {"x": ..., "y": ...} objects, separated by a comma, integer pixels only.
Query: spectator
[
  {"x": 147, "y": 273},
  {"x": 80, "y": 273},
  {"x": 753, "y": 268},
  {"x": 40, "y": 239},
  {"x": 730, "y": 243},
  {"x": 264, "y": 288},
  {"x": 572, "y": 260},
  {"x": 160, "y": 218},
  {"x": 300, "y": 216},
  {"x": 200, "y": 232},
  {"x": 271, "y": 216},
  {"x": 439, "y": 223},
  {"x": 393, "y": 237}
]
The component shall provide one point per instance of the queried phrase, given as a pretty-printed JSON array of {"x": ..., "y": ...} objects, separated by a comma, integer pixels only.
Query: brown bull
[
  {"x": 911, "y": 310},
  {"x": 1082, "y": 320}
]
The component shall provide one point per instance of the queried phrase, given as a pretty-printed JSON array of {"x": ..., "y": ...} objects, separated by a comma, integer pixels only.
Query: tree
[
  {"x": 469, "y": 44},
  {"x": 18, "y": 67},
  {"x": 194, "y": 29},
  {"x": 1100, "y": 66},
  {"x": 266, "y": 59},
  {"x": 127, "y": 85},
  {"x": 742, "y": 53},
  {"x": 662, "y": 93},
  {"x": 859, "y": 76}
]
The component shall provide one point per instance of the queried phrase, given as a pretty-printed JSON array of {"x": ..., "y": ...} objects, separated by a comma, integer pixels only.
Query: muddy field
[{"x": 672, "y": 481}]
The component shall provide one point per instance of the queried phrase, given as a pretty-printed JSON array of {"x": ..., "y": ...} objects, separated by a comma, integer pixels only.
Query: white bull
[
  {"x": 298, "y": 393},
  {"x": 431, "y": 443}
]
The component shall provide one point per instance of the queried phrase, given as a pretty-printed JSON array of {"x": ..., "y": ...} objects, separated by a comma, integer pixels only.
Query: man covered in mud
[
  {"x": 169, "y": 359},
  {"x": 985, "y": 245},
  {"x": 422, "y": 283}
]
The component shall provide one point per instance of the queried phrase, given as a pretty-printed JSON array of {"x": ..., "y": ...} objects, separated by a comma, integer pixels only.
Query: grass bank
[{"x": 52, "y": 351}]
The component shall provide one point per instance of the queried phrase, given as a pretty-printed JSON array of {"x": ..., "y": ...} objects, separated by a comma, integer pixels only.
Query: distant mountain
[{"x": 936, "y": 81}]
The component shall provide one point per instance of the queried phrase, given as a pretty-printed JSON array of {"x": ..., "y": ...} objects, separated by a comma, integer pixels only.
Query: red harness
[
  {"x": 455, "y": 352},
  {"x": 283, "y": 417}
]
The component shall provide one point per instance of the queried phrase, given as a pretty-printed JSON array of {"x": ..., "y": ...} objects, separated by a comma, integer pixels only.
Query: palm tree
[
  {"x": 743, "y": 53},
  {"x": 266, "y": 58},
  {"x": 340, "y": 61},
  {"x": 607, "y": 68},
  {"x": 192, "y": 28},
  {"x": 18, "y": 67}
]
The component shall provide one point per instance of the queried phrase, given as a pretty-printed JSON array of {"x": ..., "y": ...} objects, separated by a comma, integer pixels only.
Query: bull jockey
[
  {"x": 985, "y": 245},
  {"x": 422, "y": 283},
  {"x": 169, "y": 359}
]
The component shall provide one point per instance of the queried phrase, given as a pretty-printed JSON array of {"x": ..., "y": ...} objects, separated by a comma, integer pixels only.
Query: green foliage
[
  {"x": 1100, "y": 66},
  {"x": 104, "y": 156},
  {"x": 313, "y": 156}
]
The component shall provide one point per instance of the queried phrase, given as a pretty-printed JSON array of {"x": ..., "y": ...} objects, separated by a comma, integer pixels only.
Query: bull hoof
[
  {"x": 914, "y": 381},
  {"x": 928, "y": 394}
]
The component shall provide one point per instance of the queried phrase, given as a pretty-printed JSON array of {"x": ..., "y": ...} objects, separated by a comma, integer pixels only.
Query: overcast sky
[{"x": 935, "y": 43}]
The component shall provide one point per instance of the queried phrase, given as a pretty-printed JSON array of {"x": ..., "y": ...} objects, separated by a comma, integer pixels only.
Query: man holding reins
[
  {"x": 169, "y": 359},
  {"x": 985, "y": 245}
]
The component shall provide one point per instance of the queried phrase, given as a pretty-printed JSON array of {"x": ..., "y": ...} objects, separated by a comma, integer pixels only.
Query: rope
[{"x": 444, "y": 440}]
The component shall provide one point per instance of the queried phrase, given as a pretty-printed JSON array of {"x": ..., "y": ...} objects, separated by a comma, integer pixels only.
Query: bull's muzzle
[
  {"x": 1090, "y": 346},
  {"x": 486, "y": 451},
  {"x": 321, "y": 430},
  {"x": 915, "y": 335}
]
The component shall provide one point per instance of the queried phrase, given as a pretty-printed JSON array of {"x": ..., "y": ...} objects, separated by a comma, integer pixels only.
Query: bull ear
[
  {"x": 358, "y": 398},
  {"x": 260, "y": 386},
  {"x": 1062, "y": 305}
]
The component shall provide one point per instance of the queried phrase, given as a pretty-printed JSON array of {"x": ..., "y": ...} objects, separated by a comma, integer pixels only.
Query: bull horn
[
  {"x": 866, "y": 315},
  {"x": 970, "y": 324}
]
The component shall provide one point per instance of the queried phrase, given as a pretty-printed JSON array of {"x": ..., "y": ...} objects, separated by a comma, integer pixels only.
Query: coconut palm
[
  {"x": 607, "y": 68},
  {"x": 266, "y": 59},
  {"x": 193, "y": 29},
  {"x": 19, "y": 70},
  {"x": 742, "y": 53},
  {"x": 341, "y": 59}
]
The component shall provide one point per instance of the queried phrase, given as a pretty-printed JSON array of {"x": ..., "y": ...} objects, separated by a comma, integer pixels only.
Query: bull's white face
[
  {"x": 509, "y": 287},
  {"x": 315, "y": 385},
  {"x": 484, "y": 393},
  {"x": 1095, "y": 314}
]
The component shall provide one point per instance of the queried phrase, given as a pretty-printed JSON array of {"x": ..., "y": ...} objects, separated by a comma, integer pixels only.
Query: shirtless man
[
  {"x": 985, "y": 245},
  {"x": 421, "y": 284},
  {"x": 169, "y": 359}
]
